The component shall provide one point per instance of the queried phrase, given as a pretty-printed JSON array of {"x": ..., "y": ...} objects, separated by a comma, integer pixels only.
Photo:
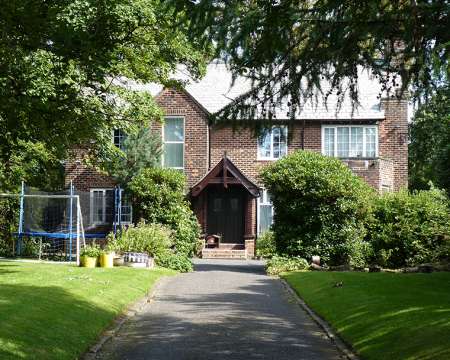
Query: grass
[
  {"x": 54, "y": 311},
  {"x": 383, "y": 315}
]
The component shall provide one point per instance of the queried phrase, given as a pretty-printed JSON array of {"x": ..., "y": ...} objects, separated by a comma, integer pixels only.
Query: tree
[
  {"x": 429, "y": 150},
  {"x": 289, "y": 47},
  {"x": 62, "y": 68},
  {"x": 140, "y": 150}
]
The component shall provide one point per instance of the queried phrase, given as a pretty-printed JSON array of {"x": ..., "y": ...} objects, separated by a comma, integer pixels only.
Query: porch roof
[{"x": 225, "y": 173}]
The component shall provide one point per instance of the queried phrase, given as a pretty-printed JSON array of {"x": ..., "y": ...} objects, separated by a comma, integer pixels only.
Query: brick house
[{"x": 222, "y": 166}]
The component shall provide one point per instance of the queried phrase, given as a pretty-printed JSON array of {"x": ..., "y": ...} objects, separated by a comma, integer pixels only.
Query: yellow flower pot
[
  {"x": 89, "y": 262},
  {"x": 107, "y": 260}
]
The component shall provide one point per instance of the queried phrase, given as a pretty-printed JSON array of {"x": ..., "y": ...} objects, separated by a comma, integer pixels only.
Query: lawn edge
[
  {"x": 128, "y": 313},
  {"x": 344, "y": 348}
]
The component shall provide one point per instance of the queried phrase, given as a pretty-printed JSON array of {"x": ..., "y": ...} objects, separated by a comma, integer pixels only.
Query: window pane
[
  {"x": 342, "y": 141},
  {"x": 283, "y": 141},
  {"x": 371, "y": 138},
  {"x": 119, "y": 138},
  {"x": 126, "y": 209},
  {"x": 173, "y": 129},
  {"x": 264, "y": 145},
  {"x": 329, "y": 141},
  {"x": 173, "y": 155},
  {"x": 265, "y": 220},
  {"x": 97, "y": 206},
  {"x": 356, "y": 146}
]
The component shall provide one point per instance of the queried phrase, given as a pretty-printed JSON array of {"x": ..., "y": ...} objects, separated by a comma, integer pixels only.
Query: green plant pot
[
  {"x": 89, "y": 262},
  {"x": 107, "y": 260}
]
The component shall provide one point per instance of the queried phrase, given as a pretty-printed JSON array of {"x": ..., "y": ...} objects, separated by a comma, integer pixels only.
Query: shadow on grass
[
  {"x": 46, "y": 323},
  {"x": 7, "y": 268}
]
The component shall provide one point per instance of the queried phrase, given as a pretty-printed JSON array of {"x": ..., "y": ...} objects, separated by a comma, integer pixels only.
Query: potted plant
[
  {"x": 89, "y": 255},
  {"x": 107, "y": 257}
]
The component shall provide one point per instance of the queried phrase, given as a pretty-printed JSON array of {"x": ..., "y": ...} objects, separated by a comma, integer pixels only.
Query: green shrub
[
  {"x": 265, "y": 246},
  {"x": 279, "y": 264},
  {"x": 9, "y": 214},
  {"x": 153, "y": 239},
  {"x": 158, "y": 196},
  {"x": 91, "y": 250},
  {"x": 320, "y": 208},
  {"x": 410, "y": 228},
  {"x": 174, "y": 261}
]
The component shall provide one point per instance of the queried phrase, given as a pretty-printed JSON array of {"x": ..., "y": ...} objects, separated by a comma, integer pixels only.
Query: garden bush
[
  {"x": 279, "y": 264},
  {"x": 410, "y": 228},
  {"x": 158, "y": 196},
  {"x": 265, "y": 245},
  {"x": 175, "y": 261},
  {"x": 153, "y": 239},
  {"x": 320, "y": 208}
]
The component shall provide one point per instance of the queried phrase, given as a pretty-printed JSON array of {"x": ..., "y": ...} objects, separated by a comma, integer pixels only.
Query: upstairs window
[
  {"x": 272, "y": 144},
  {"x": 119, "y": 137},
  {"x": 173, "y": 138},
  {"x": 265, "y": 212},
  {"x": 350, "y": 141}
]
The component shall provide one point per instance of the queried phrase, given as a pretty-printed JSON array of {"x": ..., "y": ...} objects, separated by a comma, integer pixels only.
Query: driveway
[{"x": 226, "y": 309}]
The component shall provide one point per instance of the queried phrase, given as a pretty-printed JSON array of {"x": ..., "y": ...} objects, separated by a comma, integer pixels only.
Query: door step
[{"x": 224, "y": 254}]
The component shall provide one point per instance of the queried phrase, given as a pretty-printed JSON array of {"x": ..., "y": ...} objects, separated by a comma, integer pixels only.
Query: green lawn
[
  {"x": 383, "y": 315},
  {"x": 53, "y": 311}
]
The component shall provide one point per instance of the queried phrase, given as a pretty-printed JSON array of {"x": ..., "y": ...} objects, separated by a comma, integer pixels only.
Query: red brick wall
[
  {"x": 83, "y": 177},
  {"x": 241, "y": 146},
  {"x": 393, "y": 139}
]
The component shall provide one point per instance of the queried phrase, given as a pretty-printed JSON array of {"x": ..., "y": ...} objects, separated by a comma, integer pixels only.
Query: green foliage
[
  {"x": 61, "y": 72},
  {"x": 174, "y": 261},
  {"x": 429, "y": 150},
  {"x": 320, "y": 207},
  {"x": 290, "y": 49},
  {"x": 9, "y": 215},
  {"x": 265, "y": 246},
  {"x": 141, "y": 150},
  {"x": 410, "y": 229},
  {"x": 158, "y": 196},
  {"x": 91, "y": 250},
  {"x": 279, "y": 264},
  {"x": 153, "y": 239}
]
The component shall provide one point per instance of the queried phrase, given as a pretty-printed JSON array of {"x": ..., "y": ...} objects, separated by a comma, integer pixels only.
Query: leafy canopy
[
  {"x": 429, "y": 150},
  {"x": 61, "y": 62},
  {"x": 288, "y": 47}
]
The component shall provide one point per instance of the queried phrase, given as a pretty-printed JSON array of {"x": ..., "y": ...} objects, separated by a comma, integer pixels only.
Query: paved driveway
[{"x": 224, "y": 310}]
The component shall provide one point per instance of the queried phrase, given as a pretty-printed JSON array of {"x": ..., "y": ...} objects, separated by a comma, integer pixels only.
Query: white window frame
[
  {"x": 131, "y": 210},
  {"x": 174, "y": 142},
  {"x": 335, "y": 127},
  {"x": 114, "y": 137},
  {"x": 271, "y": 157},
  {"x": 91, "y": 204},
  {"x": 262, "y": 200}
]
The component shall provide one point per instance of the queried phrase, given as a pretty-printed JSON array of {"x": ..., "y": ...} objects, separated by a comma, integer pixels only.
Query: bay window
[{"x": 350, "y": 141}]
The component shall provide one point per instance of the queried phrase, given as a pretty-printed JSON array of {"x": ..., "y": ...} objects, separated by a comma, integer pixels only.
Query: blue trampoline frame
[{"x": 68, "y": 235}]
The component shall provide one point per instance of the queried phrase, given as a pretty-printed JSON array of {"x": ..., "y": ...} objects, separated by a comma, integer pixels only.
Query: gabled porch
[{"x": 224, "y": 202}]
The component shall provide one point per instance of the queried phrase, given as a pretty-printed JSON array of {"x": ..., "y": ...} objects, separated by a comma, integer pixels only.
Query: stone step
[{"x": 223, "y": 254}]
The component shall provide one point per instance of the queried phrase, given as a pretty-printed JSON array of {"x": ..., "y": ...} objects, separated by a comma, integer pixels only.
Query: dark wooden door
[{"x": 226, "y": 214}]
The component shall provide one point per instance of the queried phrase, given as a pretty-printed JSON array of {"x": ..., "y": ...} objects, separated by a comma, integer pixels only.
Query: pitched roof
[
  {"x": 225, "y": 173},
  {"x": 216, "y": 90}
]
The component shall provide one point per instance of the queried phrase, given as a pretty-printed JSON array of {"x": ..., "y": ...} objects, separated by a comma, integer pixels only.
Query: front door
[{"x": 226, "y": 214}]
